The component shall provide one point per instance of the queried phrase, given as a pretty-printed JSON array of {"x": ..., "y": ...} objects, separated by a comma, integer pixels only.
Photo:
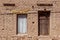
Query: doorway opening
[{"x": 43, "y": 22}]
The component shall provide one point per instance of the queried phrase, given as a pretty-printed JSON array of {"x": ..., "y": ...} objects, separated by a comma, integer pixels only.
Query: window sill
[
  {"x": 20, "y": 35},
  {"x": 44, "y": 36}
]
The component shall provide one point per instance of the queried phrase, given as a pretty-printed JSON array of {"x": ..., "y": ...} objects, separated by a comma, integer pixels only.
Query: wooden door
[{"x": 43, "y": 23}]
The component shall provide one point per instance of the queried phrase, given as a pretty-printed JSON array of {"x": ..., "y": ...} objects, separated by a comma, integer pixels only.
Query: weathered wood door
[{"x": 43, "y": 23}]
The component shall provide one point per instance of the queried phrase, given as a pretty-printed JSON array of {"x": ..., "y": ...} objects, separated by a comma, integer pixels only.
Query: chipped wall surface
[{"x": 8, "y": 19}]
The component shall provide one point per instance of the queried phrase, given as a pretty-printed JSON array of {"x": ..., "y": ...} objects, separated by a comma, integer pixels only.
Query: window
[
  {"x": 22, "y": 23},
  {"x": 43, "y": 22},
  {"x": 7, "y": 4},
  {"x": 44, "y": 4}
]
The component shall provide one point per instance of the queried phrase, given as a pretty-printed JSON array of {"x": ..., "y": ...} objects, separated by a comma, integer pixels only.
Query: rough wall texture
[
  {"x": 8, "y": 20},
  {"x": 32, "y": 24}
]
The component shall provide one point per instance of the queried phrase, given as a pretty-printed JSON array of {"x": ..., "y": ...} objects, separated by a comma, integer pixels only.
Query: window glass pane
[{"x": 22, "y": 24}]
